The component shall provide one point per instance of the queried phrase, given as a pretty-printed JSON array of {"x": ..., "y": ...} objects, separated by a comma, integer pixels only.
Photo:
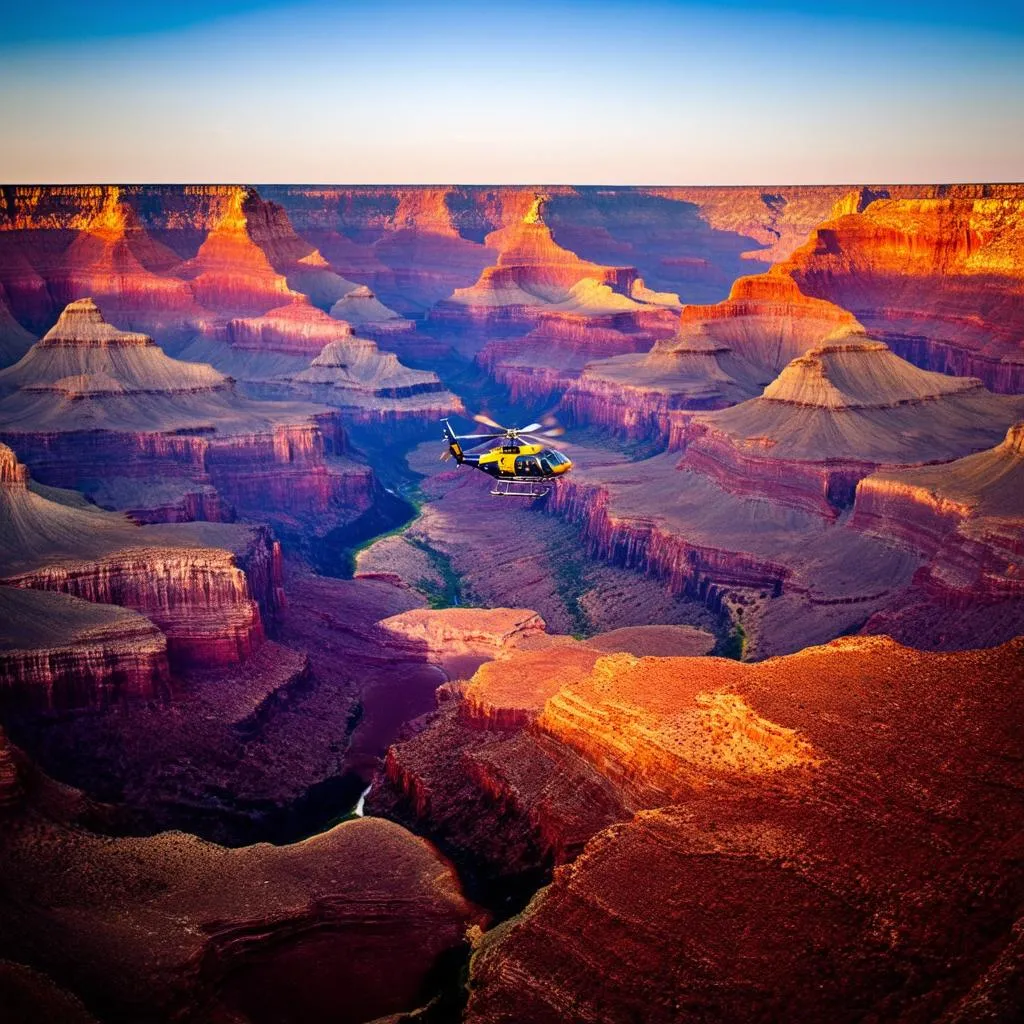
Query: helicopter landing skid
[{"x": 519, "y": 489}]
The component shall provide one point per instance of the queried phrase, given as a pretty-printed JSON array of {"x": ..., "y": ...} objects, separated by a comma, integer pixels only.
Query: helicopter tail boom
[{"x": 455, "y": 447}]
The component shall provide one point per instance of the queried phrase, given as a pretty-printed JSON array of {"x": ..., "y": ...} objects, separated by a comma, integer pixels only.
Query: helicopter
[{"x": 523, "y": 464}]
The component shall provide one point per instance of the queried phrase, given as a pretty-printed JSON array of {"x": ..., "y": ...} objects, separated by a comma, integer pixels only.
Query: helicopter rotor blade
[
  {"x": 471, "y": 437},
  {"x": 553, "y": 432},
  {"x": 528, "y": 429},
  {"x": 488, "y": 422}
]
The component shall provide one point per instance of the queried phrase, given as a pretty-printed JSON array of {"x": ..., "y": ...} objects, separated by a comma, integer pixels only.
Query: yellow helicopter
[{"x": 523, "y": 464}]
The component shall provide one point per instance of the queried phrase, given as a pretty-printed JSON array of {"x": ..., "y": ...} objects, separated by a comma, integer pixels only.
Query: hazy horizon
[{"x": 609, "y": 93}]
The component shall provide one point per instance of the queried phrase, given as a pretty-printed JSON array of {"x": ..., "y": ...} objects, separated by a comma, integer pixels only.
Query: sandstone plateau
[
  {"x": 299, "y": 723},
  {"x": 940, "y": 279},
  {"x": 205, "y": 598},
  {"x": 719, "y": 825},
  {"x": 98, "y": 408}
]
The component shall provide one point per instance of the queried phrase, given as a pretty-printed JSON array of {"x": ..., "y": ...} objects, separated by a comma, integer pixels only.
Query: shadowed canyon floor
[{"x": 299, "y": 722}]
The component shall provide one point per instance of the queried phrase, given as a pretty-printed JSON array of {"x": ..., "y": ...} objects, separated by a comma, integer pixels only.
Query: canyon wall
[
  {"x": 196, "y": 592},
  {"x": 744, "y": 790},
  {"x": 939, "y": 279},
  {"x": 89, "y": 404}
]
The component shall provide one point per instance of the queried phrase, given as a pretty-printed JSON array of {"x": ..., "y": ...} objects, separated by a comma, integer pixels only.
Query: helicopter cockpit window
[{"x": 526, "y": 465}]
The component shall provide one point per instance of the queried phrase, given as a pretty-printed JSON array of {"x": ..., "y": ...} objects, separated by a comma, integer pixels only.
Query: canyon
[{"x": 299, "y": 722}]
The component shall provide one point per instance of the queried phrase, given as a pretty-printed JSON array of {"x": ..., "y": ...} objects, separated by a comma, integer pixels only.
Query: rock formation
[
  {"x": 939, "y": 279},
  {"x": 533, "y": 274},
  {"x": 484, "y": 776},
  {"x": 114, "y": 261},
  {"x": 362, "y": 308},
  {"x": 371, "y": 386},
  {"x": 203, "y": 932},
  {"x": 834, "y": 415},
  {"x": 90, "y": 403},
  {"x": 718, "y": 356},
  {"x": 231, "y": 273},
  {"x": 199, "y": 583},
  {"x": 756, "y": 872},
  {"x": 967, "y": 519},
  {"x": 490, "y": 631},
  {"x": 298, "y": 351},
  {"x": 60, "y": 652}
]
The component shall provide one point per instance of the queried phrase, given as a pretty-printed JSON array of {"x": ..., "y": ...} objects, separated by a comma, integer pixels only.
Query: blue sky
[{"x": 609, "y": 92}]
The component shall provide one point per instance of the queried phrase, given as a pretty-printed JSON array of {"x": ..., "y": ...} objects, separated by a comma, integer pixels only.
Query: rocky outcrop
[
  {"x": 116, "y": 263},
  {"x": 296, "y": 329},
  {"x": 363, "y": 309},
  {"x": 964, "y": 516},
  {"x": 206, "y": 932},
  {"x": 231, "y": 273},
  {"x": 90, "y": 403},
  {"x": 636, "y": 394},
  {"x": 888, "y": 747},
  {"x": 766, "y": 321},
  {"x": 371, "y": 386},
  {"x": 836, "y": 414},
  {"x": 298, "y": 351},
  {"x": 718, "y": 356},
  {"x": 465, "y": 630},
  {"x": 534, "y": 274},
  {"x": 485, "y": 780},
  {"x": 938, "y": 279},
  {"x": 255, "y": 235},
  {"x": 197, "y": 592},
  {"x": 59, "y": 652}
]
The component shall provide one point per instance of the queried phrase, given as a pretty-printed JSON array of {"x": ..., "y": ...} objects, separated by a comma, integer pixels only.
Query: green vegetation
[
  {"x": 570, "y": 571},
  {"x": 733, "y": 644},
  {"x": 450, "y": 591},
  {"x": 415, "y": 499}
]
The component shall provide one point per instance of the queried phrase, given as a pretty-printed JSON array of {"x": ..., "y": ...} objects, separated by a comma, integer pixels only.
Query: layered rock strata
[
  {"x": 60, "y": 652},
  {"x": 939, "y": 279},
  {"x": 113, "y": 260},
  {"x": 779, "y": 566},
  {"x": 481, "y": 779},
  {"x": 755, "y": 871},
  {"x": 833, "y": 416},
  {"x": 533, "y": 274},
  {"x": 966, "y": 517},
  {"x": 187, "y": 579},
  {"x": 719, "y": 355},
  {"x": 91, "y": 404}
]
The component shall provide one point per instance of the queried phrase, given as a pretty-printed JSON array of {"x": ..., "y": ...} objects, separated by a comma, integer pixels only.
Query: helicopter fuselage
[
  {"x": 524, "y": 461},
  {"x": 512, "y": 460}
]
